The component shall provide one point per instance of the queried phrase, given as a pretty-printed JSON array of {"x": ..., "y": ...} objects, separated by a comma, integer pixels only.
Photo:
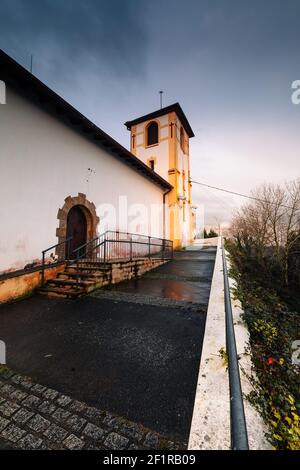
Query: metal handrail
[
  {"x": 239, "y": 436},
  {"x": 84, "y": 245},
  {"x": 66, "y": 241},
  {"x": 137, "y": 235},
  {"x": 105, "y": 248},
  {"x": 166, "y": 242},
  {"x": 137, "y": 242},
  {"x": 81, "y": 251}
]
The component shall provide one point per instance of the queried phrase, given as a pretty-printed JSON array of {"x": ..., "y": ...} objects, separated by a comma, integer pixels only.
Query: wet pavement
[
  {"x": 187, "y": 277},
  {"x": 133, "y": 359},
  {"x": 166, "y": 288}
]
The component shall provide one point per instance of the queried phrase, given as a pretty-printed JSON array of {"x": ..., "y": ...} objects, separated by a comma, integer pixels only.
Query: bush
[
  {"x": 210, "y": 234},
  {"x": 273, "y": 326}
]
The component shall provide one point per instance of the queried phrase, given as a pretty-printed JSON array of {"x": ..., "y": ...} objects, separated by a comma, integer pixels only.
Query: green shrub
[{"x": 273, "y": 326}]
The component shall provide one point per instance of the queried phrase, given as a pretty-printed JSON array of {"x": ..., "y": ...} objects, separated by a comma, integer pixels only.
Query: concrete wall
[
  {"x": 42, "y": 161},
  {"x": 211, "y": 426}
]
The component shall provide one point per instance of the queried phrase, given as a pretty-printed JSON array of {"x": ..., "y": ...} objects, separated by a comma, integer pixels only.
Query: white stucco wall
[{"x": 42, "y": 161}]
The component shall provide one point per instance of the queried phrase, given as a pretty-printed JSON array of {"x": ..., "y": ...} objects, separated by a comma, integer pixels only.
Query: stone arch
[{"x": 89, "y": 210}]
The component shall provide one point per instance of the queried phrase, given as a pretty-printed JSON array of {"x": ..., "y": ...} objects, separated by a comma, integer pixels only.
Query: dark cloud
[
  {"x": 70, "y": 34},
  {"x": 230, "y": 63}
]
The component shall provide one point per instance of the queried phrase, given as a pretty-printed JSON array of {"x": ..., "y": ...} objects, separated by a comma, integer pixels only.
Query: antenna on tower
[{"x": 161, "y": 93}]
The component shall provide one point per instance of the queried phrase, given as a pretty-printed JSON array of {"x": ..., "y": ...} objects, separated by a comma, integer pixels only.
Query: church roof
[
  {"x": 161, "y": 112},
  {"x": 25, "y": 83}
]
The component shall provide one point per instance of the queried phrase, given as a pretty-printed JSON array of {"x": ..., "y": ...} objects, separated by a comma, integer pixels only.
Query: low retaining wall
[
  {"x": 211, "y": 428},
  {"x": 124, "y": 270},
  {"x": 14, "y": 287},
  {"x": 24, "y": 284}
]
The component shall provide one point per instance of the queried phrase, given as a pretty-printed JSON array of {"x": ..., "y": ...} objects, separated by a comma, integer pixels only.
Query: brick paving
[{"x": 36, "y": 417}]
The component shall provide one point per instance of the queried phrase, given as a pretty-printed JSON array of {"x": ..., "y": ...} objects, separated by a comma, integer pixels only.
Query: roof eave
[
  {"x": 160, "y": 112},
  {"x": 19, "y": 76}
]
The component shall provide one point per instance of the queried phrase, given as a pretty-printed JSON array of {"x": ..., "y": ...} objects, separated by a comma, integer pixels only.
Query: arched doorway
[
  {"x": 76, "y": 228},
  {"x": 91, "y": 221}
]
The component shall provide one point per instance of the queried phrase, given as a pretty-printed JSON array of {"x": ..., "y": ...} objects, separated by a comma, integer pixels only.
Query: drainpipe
[{"x": 164, "y": 212}]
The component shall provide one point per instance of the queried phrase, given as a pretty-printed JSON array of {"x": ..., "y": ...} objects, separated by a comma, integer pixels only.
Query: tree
[
  {"x": 210, "y": 234},
  {"x": 269, "y": 227}
]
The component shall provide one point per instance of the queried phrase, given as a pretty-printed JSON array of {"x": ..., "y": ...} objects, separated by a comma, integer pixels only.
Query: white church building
[{"x": 61, "y": 175}]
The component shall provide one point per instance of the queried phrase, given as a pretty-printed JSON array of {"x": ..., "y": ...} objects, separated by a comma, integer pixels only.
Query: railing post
[
  {"x": 68, "y": 248},
  {"x": 104, "y": 249},
  {"x": 43, "y": 269},
  {"x": 64, "y": 242},
  {"x": 130, "y": 247},
  {"x": 77, "y": 269},
  {"x": 149, "y": 247}
]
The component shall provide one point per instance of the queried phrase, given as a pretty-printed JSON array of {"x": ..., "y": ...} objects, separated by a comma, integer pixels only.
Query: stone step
[
  {"x": 95, "y": 266},
  {"x": 87, "y": 270},
  {"x": 92, "y": 275},
  {"x": 89, "y": 276},
  {"x": 62, "y": 293},
  {"x": 70, "y": 282},
  {"x": 92, "y": 264}
]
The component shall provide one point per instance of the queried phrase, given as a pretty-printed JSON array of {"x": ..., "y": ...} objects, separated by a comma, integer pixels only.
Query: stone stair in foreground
[{"x": 75, "y": 282}]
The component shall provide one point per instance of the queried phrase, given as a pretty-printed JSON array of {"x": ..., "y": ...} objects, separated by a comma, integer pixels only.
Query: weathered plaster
[{"x": 17, "y": 287}]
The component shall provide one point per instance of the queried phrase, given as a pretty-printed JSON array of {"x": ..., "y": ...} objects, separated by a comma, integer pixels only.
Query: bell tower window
[{"x": 152, "y": 134}]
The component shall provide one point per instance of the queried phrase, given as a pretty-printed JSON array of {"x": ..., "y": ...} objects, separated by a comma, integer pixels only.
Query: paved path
[
  {"x": 186, "y": 279},
  {"x": 133, "y": 351}
]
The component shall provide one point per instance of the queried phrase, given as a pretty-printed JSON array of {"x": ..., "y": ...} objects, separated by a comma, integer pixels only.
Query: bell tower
[{"x": 161, "y": 140}]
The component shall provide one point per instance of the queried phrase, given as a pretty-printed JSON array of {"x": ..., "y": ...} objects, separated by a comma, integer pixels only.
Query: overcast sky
[{"x": 230, "y": 64}]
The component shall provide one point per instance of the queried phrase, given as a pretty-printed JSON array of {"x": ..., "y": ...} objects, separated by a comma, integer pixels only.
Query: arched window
[
  {"x": 152, "y": 133},
  {"x": 182, "y": 143}
]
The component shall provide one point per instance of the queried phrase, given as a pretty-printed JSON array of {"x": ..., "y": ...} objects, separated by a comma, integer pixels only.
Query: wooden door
[{"x": 76, "y": 228}]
